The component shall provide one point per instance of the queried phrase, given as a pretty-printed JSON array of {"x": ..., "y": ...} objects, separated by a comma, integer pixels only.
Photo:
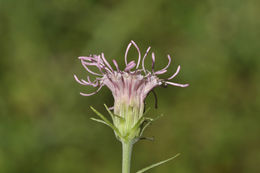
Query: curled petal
[
  {"x": 85, "y": 58},
  {"x": 90, "y": 94},
  {"x": 85, "y": 66},
  {"x": 176, "y": 84},
  {"x": 165, "y": 68},
  {"x": 108, "y": 70},
  {"x": 126, "y": 52},
  {"x": 104, "y": 59},
  {"x": 177, "y": 71},
  {"x": 138, "y": 50},
  {"x": 82, "y": 82},
  {"x": 94, "y": 84},
  {"x": 91, "y": 63},
  {"x": 139, "y": 53},
  {"x": 116, "y": 65},
  {"x": 86, "y": 82},
  {"x": 100, "y": 64},
  {"x": 153, "y": 61},
  {"x": 160, "y": 72},
  {"x": 147, "y": 51},
  {"x": 129, "y": 83},
  {"x": 89, "y": 60},
  {"x": 130, "y": 65}
]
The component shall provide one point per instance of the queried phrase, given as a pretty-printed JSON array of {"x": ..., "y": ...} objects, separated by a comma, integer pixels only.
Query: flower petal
[
  {"x": 177, "y": 71},
  {"x": 90, "y": 94},
  {"x": 177, "y": 84}
]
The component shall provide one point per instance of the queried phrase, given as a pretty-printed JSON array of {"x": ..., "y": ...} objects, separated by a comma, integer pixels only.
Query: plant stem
[{"x": 126, "y": 159}]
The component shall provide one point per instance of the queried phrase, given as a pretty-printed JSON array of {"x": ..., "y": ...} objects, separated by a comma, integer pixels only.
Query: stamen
[{"x": 177, "y": 71}]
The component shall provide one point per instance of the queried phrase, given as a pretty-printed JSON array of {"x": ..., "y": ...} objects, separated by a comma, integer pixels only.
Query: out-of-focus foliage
[{"x": 214, "y": 123}]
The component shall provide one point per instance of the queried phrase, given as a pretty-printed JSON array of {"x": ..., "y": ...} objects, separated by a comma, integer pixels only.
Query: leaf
[
  {"x": 146, "y": 138},
  {"x": 100, "y": 121},
  {"x": 106, "y": 121},
  {"x": 157, "y": 164},
  {"x": 112, "y": 114},
  {"x": 159, "y": 116},
  {"x": 138, "y": 123},
  {"x": 146, "y": 111},
  {"x": 145, "y": 124}
]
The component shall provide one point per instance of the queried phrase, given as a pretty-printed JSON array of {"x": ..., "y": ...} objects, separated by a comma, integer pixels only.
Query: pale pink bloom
[{"x": 129, "y": 85}]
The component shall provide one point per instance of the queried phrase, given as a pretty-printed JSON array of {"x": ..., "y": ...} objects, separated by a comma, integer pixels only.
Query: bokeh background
[{"x": 214, "y": 123}]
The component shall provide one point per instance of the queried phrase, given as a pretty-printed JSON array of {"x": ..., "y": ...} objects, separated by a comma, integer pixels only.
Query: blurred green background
[{"x": 214, "y": 123}]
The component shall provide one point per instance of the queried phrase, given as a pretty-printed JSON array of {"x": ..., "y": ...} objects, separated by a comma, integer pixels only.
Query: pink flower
[
  {"x": 131, "y": 80},
  {"x": 129, "y": 86}
]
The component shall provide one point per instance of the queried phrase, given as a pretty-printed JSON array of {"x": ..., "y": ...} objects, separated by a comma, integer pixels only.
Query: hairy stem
[{"x": 126, "y": 159}]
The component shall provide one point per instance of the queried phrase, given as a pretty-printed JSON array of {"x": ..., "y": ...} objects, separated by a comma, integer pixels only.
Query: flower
[{"x": 129, "y": 86}]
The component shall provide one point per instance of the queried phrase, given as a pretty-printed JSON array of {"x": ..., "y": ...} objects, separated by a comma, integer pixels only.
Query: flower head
[{"x": 129, "y": 86}]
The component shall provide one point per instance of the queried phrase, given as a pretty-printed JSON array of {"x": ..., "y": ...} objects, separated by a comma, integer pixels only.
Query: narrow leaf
[
  {"x": 138, "y": 123},
  {"x": 112, "y": 114},
  {"x": 100, "y": 121},
  {"x": 157, "y": 164},
  {"x": 146, "y": 138},
  {"x": 100, "y": 115},
  {"x": 146, "y": 111},
  {"x": 145, "y": 124},
  {"x": 106, "y": 121},
  {"x": 159, "y": 116}
]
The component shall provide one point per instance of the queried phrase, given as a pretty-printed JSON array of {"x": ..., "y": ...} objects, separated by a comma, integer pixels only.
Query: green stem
[{"x": 127, "y": 152}]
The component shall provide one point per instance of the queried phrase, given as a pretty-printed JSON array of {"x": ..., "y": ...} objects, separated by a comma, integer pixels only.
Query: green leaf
[
  {"x": 157, "y": 164},
  {"x": 159, "y": 116},
  {"x": 146, "y": 138},
  {"x": 106, "y": 121},
  {"x": 112, "y": 114},
  {"x": 100, "y": 121},
  {"x": 145, "y": 124},
  {"x": 138, "y": 123},
  {"x": 146, "y": 111}
]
